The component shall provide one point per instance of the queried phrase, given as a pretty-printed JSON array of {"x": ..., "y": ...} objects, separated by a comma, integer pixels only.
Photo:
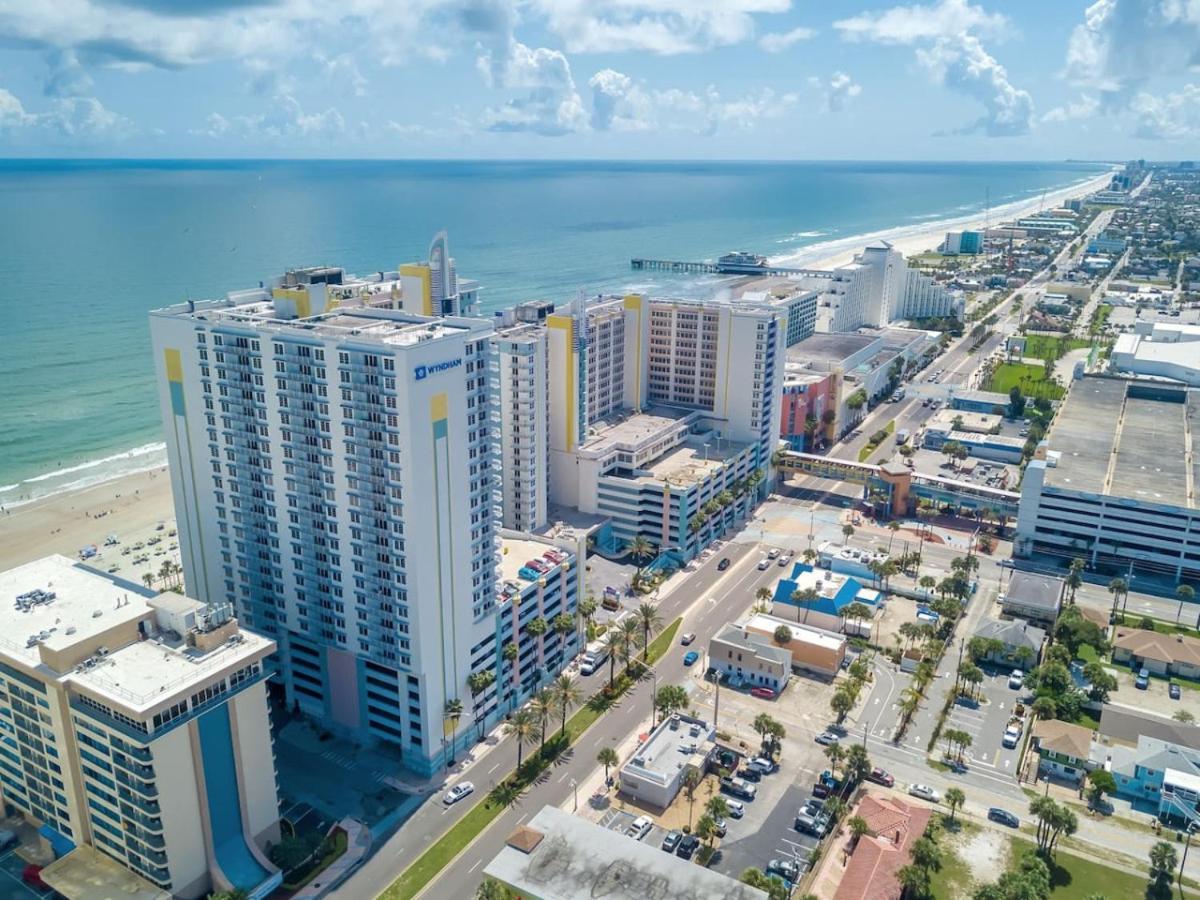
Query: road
[{"x": 707, "y": 598}]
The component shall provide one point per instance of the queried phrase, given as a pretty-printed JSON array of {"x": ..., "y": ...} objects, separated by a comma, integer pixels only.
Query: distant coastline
[{"x": 96, "y": 422}]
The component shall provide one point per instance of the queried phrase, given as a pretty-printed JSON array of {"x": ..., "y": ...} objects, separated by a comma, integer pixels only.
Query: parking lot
[
  {"x": 767, "y": 832},
  {"x": 986, "y": 722},
  {"x": 1154, "y": 699}
]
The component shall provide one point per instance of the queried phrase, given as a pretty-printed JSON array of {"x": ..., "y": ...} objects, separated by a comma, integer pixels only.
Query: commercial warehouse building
[{"x": 1115, "y": 483}]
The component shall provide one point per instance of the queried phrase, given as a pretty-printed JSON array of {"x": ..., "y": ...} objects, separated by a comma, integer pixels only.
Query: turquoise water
[{"x": 89, "y": 247}]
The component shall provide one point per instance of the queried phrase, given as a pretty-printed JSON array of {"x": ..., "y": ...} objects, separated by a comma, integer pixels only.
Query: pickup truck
[{"x": 739, "y": 788}]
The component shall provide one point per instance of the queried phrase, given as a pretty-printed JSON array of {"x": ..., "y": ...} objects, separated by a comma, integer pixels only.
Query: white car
[
  {"x": 639, "y": 828},
  {"x": 764, "y": 564},
  {"x": 1016, "y": 680},
  {"x": 456, "y": 793},
  {"x": 925, "y": 792}
]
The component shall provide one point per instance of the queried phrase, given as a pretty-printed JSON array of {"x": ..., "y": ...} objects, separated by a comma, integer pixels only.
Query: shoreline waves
[{"x": 53, "y": 511}]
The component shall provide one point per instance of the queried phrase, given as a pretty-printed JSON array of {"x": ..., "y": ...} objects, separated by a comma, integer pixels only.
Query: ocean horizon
[{"x": 93, "y": 245}]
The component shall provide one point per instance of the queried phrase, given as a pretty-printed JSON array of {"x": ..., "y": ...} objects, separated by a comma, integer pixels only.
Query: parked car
[
  {"x": 1143, "y": 680},
  {"x": 723, "y": 564},
  {"x": 687, "y": 846},
  {"x": 671, "y": 841},
  {"x": 763, "y": 693},
  {"x": 1004, "y": 817},
  {"x": 748, "y": 773},
  {"x": 821, "y": 790},
  {"x": 925, "y": 792},
  {"x": 764, "y": 564},
  {"x": 456, "y": 793},
  {"x": 735, "y": 808},
  {"x": 1173, "y": 691},
  {"x": 785, "y": 559},
  {"x": 1016, "y": 680},
  {"x": 826, "y": 738},
  {"x": 881, "y": 776},
  {"x": 786, "y": 869},
  {"x": 739, "y": 788},
  {"x": 687, "y": 638},
  {"x": 639, "y": 828},
  {"x": 719, "y": 826},
  {"x": 773, "y": 553},
  {"x": 764, "y": 765},
  {"x": 1012, "y": 736},
  {"x": 690, "y": 657}
]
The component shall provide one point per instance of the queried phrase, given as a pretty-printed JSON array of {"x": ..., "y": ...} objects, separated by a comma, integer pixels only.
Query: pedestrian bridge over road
[{"x": 902, "y": 488}]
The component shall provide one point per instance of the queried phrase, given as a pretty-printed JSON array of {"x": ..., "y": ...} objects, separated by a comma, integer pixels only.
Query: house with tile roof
[
  {"x": 893, "y": 826},
  {"x": 1162, "y": 654}
]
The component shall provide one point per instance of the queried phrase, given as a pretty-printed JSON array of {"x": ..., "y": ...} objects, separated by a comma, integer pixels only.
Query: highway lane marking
[
  {"x": 493, "y": 768},
  {"x": 523, "y": 818},
  {"x": 474, "y": 867}
]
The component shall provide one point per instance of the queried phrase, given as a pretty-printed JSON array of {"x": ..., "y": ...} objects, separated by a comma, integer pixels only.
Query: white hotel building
[
  {"x": 134, "y": 731},
  {"x": 662, "y": 412}
]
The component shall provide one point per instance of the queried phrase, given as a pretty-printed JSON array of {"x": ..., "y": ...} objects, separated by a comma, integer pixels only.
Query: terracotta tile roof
[
  {"x": 1167, "y": 648},
  {"x": 1063, "y": 737},
  {"x": 525, "y": 839},
  {"x": 871, "y": 871}
]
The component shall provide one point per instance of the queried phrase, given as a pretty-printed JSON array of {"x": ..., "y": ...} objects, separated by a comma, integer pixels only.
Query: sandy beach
[
  {"x": 911, "y": 240},
  {"x": 132, "y": 506}
]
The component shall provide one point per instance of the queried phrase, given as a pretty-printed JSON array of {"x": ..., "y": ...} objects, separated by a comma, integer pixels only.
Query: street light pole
[{"x": 1192, "y": 826}]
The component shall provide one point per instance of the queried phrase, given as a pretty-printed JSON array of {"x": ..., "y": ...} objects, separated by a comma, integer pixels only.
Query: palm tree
[
  {"x": 562, "y": 625},
  {"x": 848, "y": 531},
  {"x": 691, "y": 778},
  {"x": 541, "y": 705},
  {"x": 631, "y": 637},
  {"x": 148, "y": 579},
  {"x": 954, "y": 798},
  {"x": 1075, "y": 576},
  {"x": 928, "y": 582},
  {"x": 614, "y": 640},
  {"x": 451, "y": 713},
  {"x": 835, "y": 753},
  {"x": 763, "y": 597},
  {"x": 1117, "y": 587},
  {"x": 521, "y": 725},
  {"x": 477, "y": 683},
  {"x": 783, "y": 635},
  {"x": 858, "y": 827},
  {"x": 512, "y": 653},
  {"x": 1185, "y": 593},
  {"x": 586, "y": 609},
  {"x": 640, "y": 549},
  {"x": 607, "y": 757},
  {"x": 567, "y": 695},
  {"x": 706, "y": 829},
  {"x": 716, "y": 807},
  {"x": 647, "y": 616}
]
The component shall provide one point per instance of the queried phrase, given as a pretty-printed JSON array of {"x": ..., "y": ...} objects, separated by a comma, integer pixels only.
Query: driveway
[{"x": 986, "y": 723}]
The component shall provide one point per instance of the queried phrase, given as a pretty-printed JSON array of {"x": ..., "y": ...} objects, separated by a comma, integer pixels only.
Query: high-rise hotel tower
[{"x": 333, "y": 465}]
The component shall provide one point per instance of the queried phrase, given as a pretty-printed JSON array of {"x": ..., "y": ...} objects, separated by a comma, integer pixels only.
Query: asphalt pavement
[{"x": 708, "y": 598}]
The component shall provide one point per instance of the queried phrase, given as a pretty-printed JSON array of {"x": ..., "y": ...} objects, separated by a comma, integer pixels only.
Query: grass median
[{"x": 449, "y": 845}]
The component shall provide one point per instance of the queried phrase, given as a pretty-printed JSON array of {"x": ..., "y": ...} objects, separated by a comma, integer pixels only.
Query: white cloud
[
  {"x": 1121, "y": 45},
  {"x": 839, "y": 90},
  {"x": 918, "y": 23},
  {"x": 621, "y": 104},
  {"x": 963, "y": 65},
  {"x": 288, "y": 119},
  {"x": 777, "y": 42},
  {"x": 1170, "y": 117},
  {"x": 656, "y": 26},
  {"x": 74, "y": 119},
  {"x": 1084, "y": 108},
  {"x": 343, "y": 69},
  {"x": 551, "y": 105}
]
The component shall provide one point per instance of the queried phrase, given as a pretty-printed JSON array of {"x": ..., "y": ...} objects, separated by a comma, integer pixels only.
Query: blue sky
[{"x": 744, "y": 79}]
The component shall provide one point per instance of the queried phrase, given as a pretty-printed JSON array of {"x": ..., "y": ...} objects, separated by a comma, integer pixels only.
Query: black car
[
  {"x": 1173, "y": 691},
  {"x": 687, "y": 846},
  {"x": 1004, "y": 817},
  {"x": 749, "y": 773},
  {"x": 671, "y": 841},
  {"x": 723, "y": 564}
]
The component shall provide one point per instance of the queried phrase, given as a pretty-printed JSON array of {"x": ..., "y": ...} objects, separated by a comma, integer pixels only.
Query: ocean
[{"x": 88, "y": 247}]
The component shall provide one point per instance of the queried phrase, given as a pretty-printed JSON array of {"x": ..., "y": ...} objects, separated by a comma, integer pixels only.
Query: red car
[
  {"x": 880, "y": 776},
  {"x": 763, "y": 692}
]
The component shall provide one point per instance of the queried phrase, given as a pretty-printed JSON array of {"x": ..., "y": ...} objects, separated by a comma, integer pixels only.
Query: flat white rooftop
[
  {"x": 669, "y": 749},
  {"x": 800, "y": 632},
  {"x": 558, "y": 856},
  {"x": 86, "y": 603}
]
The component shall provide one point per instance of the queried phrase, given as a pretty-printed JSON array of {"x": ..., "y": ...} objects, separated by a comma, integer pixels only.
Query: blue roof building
[{"x": 836, "y": 593}]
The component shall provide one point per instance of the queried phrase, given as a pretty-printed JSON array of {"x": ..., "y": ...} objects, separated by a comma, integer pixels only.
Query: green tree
[
  {"x": 858, "y": 763},
  {"x": 858, "y": 827},
  {"x": 841, "y": 703},
  {"x": 1075, "y": 576},
  {"x": 640, "y": 549},
  {"x": 848, "y": 531},
  {"x": 1163, "y": 860},
  {"x": 521, "y": 727},
  {"x": 783, "y": 635},
  {"x": 916, "y": 882},
  {"x": 1118, "y": 587},
  {"x": 835, "y": 753},
  {"x": 1100, "y": 782},
  {"x": 670, "y": 698},
  {"x": 1185, "y": 593},
  {"x": 491, "y": 889},
  {"x": 567, "y": 695},
  {"x": 716, "y": 807},
  {"x": 541, "y": 705},
  {"x": 954, "y": 799},
  {"x": 1100, "y": 682},
  {"x": 648, "y": 618},
  {"x": 562, "y": 626},
  {"x": 774, "y": 887},
  {"x": 292, "y": 852},
  {"x": 607, "y": 757}
]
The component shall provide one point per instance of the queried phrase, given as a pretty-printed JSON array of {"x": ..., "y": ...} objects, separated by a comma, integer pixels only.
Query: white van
[{"x": 594, "y": 657}]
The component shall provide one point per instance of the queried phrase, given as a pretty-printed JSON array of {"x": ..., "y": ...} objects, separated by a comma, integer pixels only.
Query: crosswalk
[{"x": 351, "y": 765}]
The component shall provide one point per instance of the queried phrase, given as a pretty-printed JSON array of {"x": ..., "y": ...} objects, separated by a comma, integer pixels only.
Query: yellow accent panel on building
[
  {"x": 566, "y": 325},
  {"x": 297, "y": 295},
  {"x": 174, "y": 365},
  {"x": 421, "y": 271},
  {"x": 439, "y": 407}
]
